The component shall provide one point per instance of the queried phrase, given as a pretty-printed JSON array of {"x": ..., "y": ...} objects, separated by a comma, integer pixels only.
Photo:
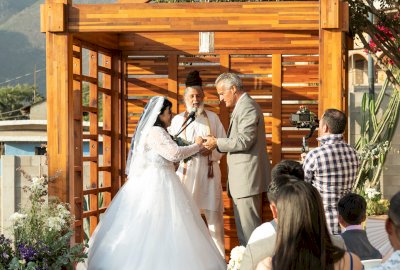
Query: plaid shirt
[{"x": 332, "y": 169}]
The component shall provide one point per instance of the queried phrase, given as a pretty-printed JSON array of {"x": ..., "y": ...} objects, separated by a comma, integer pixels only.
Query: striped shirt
[{"x": 332, "y": 169}]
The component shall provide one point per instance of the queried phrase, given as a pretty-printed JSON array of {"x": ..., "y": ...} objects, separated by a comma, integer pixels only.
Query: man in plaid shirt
[{"x": 331, "y": 167}]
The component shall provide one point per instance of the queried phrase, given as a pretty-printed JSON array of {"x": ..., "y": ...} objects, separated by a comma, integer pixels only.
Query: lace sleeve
[{"x": 161, "y": 142}]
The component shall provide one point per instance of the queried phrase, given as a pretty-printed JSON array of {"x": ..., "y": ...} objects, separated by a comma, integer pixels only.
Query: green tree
[{"x": 13, "y": 99}]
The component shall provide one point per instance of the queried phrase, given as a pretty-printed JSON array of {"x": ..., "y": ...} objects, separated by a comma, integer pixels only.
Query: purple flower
[
  {"x": 6, "y": 252},
  {"x": 4, "y": 240},
  {"x": 27, "y": 252}
]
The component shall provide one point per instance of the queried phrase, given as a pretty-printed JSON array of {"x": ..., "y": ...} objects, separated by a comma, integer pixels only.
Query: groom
[{"x": 248, "y": 163}]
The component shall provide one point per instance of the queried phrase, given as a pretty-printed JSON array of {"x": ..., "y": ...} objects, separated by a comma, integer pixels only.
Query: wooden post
[
  {"x": 78, "y": 131},
  {"x": 173, "y": 82},
  {"x": 333, "y": 63},
  {"x": 224, "y": 60},
  {"x": 117, "y": 132},
  {"x": 276, "y": 108},
  {"x": 60, "y": 146}
]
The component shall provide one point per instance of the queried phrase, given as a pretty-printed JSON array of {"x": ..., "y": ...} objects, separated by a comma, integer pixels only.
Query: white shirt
[
  {"x": 263, "y": 231},
  {"x": 393, "y": 263}
]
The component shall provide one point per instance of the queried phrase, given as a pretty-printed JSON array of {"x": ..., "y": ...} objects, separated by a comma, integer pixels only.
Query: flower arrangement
[
  {"x": 236, "y": 258},
  {"x": 41, "y": 234},
  {"x": 182, "y": 142},
  {"x": 375, "y": 204}
]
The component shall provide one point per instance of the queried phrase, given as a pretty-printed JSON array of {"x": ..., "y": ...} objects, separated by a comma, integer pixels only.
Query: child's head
[{"x": 352, "y": 209}]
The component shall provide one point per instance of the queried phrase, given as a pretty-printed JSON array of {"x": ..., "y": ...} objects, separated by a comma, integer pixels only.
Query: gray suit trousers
[{"x": 248, "y": 213}]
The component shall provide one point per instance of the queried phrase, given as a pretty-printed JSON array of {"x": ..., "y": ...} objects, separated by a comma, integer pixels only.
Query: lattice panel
[{"x": 93, "y": 123}]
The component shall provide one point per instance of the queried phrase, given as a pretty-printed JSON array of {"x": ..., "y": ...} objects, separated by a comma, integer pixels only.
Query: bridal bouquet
[
  {"x": 182, "y": 142},
  {"x": 41, "y": 234},
  {"x": 236, "y": 258}
]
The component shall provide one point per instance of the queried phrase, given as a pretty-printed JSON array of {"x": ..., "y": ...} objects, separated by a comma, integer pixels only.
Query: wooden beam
[
  {"x": 123, "y": 118},
  {"x": 117, "y": 145},
  {"x": 133, "y": 1},
  {"x": 195, "y": 17},
  {"x": 225, "y": 62},
  {"x": 60, "y": 115},
  {"x": 335, "y": 15},
  {"x": 287, "y": 42},
  {"x": 52, "y": 17},
  {"x": 78, "y": 130},
  {"x": 276, "y": 108},
  {"x": 104, "y": 40},
  {"x": 333, "y": 63},
  {"x": 330, "y": 14},
  {"x": 173, "y": 82},
  {"x": 344, "y": 16},
  {"x": 60, "y": 144}
]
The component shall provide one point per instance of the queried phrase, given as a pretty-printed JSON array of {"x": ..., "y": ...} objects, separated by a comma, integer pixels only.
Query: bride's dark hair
[{"x": 166, "y": 105}]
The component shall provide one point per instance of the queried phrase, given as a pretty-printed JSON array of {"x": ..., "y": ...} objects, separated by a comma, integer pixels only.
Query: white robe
[{"x": 206, "y": 192}]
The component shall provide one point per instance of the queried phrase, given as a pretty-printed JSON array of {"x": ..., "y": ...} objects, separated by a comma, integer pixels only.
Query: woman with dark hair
[
  {"x": 153, "y": 223},
  {"x": 303, "y": 240}
]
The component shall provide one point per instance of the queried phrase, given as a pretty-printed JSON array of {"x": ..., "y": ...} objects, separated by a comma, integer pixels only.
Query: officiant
[{"x": 201, "y": 175}]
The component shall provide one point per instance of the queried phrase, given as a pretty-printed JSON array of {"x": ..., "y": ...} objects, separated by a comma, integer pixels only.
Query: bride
[{"x": 152, "y": 223}]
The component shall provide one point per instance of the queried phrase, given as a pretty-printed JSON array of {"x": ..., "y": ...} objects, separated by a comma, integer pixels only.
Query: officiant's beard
[{"x": 199, "y": 111}]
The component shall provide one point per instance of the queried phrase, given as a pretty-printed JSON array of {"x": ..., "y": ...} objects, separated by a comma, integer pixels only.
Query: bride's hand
[{"x": 198, "y": 140}]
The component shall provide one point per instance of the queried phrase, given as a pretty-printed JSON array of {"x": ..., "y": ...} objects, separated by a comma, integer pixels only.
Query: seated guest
[
  {"x": 392, "y": 227},
  {"x": 257, "y": 251},
  {"x": 302, "y": 239},
  {"x": 352, "y": 212},
  {"x": 285, "y": 167},
  {"x": 289, "y": 167}
]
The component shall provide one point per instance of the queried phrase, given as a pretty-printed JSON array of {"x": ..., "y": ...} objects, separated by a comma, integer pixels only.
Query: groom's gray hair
[{"x": 229, "y": 80}]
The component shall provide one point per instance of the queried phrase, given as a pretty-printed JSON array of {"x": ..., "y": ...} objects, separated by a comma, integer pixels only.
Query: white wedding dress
[{"x": 152, "y": 223}]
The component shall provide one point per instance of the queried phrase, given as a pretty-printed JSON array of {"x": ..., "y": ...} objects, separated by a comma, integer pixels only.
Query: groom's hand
[{"x": 210, "y": 142}]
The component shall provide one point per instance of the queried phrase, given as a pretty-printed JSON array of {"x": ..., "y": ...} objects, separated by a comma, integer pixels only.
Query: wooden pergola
[{"x": 104, "y": 61}]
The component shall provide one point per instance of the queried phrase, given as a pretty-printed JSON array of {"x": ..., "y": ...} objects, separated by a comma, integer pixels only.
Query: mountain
[
  {"x": 10, "y": 7},
  {"x": 22, "y": 45}
]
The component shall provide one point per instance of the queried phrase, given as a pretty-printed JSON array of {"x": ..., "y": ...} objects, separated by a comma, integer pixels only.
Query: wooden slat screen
[
  {"x": 147, "y": 75},
  {"x": 300, "y": 84},
  {"x": 132, "y": 17}
]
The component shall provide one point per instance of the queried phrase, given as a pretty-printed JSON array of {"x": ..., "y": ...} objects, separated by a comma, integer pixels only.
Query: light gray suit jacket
[
  {"x": 248, "y": 164},
  {"x": 261, "y": 249}
]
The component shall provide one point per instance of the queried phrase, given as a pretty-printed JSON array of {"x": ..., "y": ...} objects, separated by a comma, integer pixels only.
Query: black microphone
[{"x": 191, "y": 116}]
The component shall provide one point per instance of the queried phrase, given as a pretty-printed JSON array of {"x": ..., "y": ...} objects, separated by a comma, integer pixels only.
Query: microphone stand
[{"x": 185, "y": 125}]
